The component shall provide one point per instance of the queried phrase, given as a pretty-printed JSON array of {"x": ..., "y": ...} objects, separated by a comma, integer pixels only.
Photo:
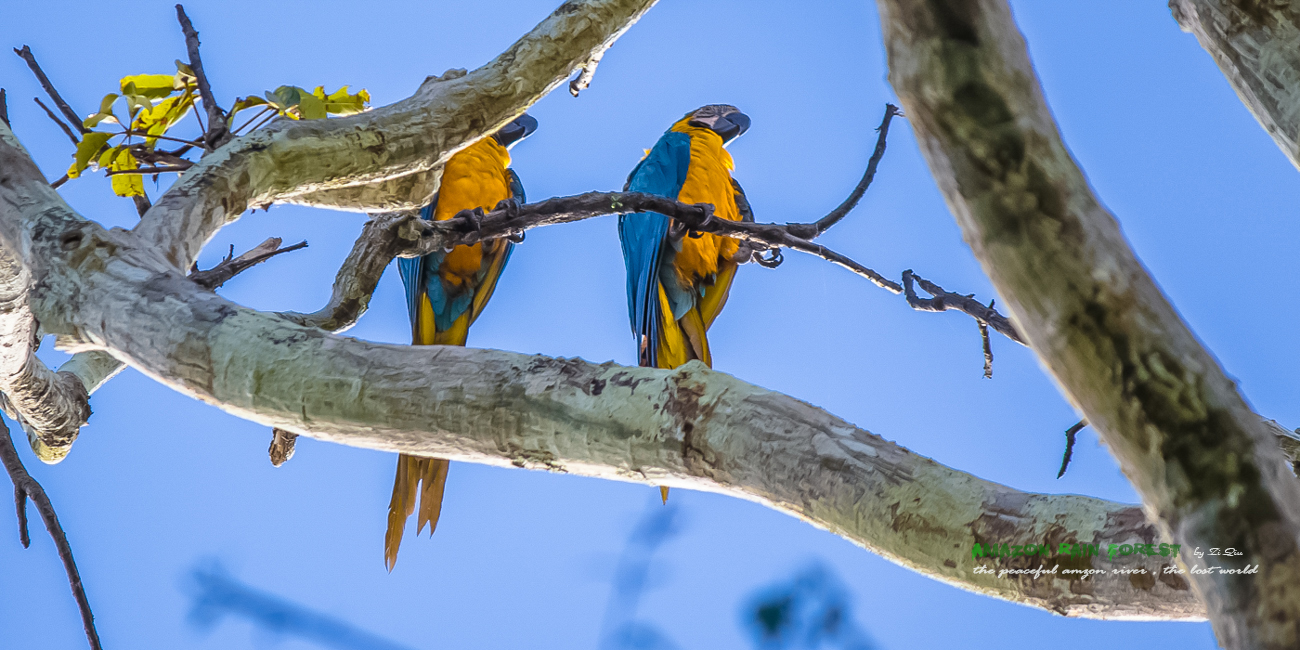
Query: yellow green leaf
[
  {"x": 126, "y": 184},
  {"x": 105, "y": 112},
  {"x": 90, "y": 145},
  {"x": 243, "y": 103},
  {"x": 310, "y": 107},
  {"x": 136, "y": 103},
  {"x": 106, "y": 159},
  {"x": 340, "y": 102},
  {"x": 162, "y": 116},
  {"x": 185, "y": 73},
  {"x": 153, "y": 86}
]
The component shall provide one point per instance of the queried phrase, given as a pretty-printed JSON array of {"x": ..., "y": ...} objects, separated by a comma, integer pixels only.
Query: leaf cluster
[{"x": 148, "y": 106}]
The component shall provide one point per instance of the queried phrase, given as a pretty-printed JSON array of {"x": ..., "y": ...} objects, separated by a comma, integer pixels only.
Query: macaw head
[
  {"x": 724, "y": 119},
  {"x": 510, "y": 134}
]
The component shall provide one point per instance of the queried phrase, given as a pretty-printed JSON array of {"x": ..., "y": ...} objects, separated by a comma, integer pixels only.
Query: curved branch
[
  {"x": 1257, "y": 46},
  {"x": 26, "y": 487},
  {"x": 296, "y": 158},
  {"x": 1206, "y": 467},
  {"x": 691, "y": 427}
]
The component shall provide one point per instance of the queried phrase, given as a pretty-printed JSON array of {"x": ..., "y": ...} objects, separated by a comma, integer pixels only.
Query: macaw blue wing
[
  {"x": 415, "y": 271},
  {"x": 662, "y": 172}
]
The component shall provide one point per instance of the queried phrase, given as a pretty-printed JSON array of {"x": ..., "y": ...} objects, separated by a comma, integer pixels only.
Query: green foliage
[
  {"x": 148, "y": 106},
  {"x": 299, "y": 104}
]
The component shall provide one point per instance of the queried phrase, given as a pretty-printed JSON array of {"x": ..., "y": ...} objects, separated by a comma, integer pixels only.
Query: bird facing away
[
  {"x": 677, "y": 282},
  {"x": 446, "y": 292}
]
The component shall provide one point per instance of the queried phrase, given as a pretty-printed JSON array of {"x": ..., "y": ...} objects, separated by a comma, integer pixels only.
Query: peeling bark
[
  {"x": 1204, "y": 464},
  {"x": 1256, "y": 44},
  {"x": 320, "y": 159},
  {"x": 691, "y": 427},
  {"x": 386, "y": 159}
]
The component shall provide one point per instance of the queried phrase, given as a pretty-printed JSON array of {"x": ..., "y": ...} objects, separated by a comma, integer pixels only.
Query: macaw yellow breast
[
  {"x": 474, "y": 178},
  {"x": 708, "y": 180}
]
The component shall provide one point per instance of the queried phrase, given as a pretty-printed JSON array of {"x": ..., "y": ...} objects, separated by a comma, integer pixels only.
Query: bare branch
[
  {"x": 73, "y": 119},
  {"x": 55, "y": 118},
  {"x": 944, "y": 300},
  {"x": 26, "y": 487},
  {"x": 1069, "y": 445},
  {"x": 142, "y": 204},
  {"x": 813, "y": 230},
  {"x": 282, "y": 446},
  {"x": 217, "y": 132},
  {"x": 988, "y": 346},
  {"x": 1208, "y": 471},
  {"x": 689, "y": 427},
  {"x": 583, "y": 80},
  {"x": 145, "y": 171},
  {"x": 295, "y": 158},
  {"x": 1257, "y": 46},
  {"x": 4, "y": 107},
  {"x": 231, "y": 266}
]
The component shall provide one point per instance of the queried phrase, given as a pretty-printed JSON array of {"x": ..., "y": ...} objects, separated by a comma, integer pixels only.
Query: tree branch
[
  {"x": 1206, "y": 467},
  {"x": 1257, "y": 46},
  {"x": 689, "y": 427},
  {"x": 944, "y": 300},
  {"x": 228, "y": 268},
  {"x": 388, "y": 157},
  {"x": 55, "y": 118},
  {"x": 295, "y": 158},
  {"x": 218, "y": 133},
  {"x": 26, "y": 487},
  {"x": 26, "y": 54}
]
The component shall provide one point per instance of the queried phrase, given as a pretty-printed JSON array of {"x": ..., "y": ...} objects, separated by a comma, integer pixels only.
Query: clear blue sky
[{"x": 158, "y": 483}]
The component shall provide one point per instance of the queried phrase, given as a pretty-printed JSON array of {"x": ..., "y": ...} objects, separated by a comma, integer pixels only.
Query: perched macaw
[
  {"x": 446, "y": 292},
  {"x": 678, "y": 282}
]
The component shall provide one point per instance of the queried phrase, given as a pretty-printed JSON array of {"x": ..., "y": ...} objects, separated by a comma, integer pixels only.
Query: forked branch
[{"x": 26, "y": 487}]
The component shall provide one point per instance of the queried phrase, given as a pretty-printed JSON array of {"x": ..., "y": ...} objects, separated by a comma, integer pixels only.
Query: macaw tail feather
[{"x": 411, "y": 472}]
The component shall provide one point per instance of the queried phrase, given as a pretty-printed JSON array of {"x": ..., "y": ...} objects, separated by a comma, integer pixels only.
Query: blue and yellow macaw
[
  {"x": 677, "y": 284},
  {"x": 446, "y": 292}
]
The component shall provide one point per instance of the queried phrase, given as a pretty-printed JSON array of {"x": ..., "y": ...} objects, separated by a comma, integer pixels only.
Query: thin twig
[
  {"x": 217, "y": 133},
  {"x": 988, "y": 345},
  {"x": 61, "y": 180},
  {"x": 26, "y": 54},
  {"x": 1069, "y": 445},
  {"x": 164, "y": 137},
  {"x": 810, "y": 231},
  {"x": 146, "y": 171},
  {"x": 232, "y": 266},
  {"x": 584, "y": 77},
  {"x": 259, "y": 113},
  {"x": 142, "y": 204},
  {"x": 4, "y": 107},
  {"x": 944, "y": 300},
  {"x": 282, "y": 446},
  {"x": 20, "y": 503},
  {"x": 66, "y": 129},
  {"x": 24, "y": 483}
]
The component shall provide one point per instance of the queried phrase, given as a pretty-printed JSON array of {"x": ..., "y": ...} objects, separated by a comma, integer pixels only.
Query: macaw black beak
[
  {"x": 732, "y": 126},
  {"x": 522, "y": 127}
]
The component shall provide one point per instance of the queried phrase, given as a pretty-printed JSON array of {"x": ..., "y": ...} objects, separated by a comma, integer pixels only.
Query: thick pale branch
[
  {"x": 1206, "y": 467},
  {"x": 691, "y": 427},
  {"x": 296, "y": 158},
  {"x": 1257, "y": 46},
  {"x": 386, "y": 159},
  {"x": 51, "y": 407}
]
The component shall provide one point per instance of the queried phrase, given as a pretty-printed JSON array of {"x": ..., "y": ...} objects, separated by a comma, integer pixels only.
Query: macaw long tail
[{"x": 411, "y": 471}]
